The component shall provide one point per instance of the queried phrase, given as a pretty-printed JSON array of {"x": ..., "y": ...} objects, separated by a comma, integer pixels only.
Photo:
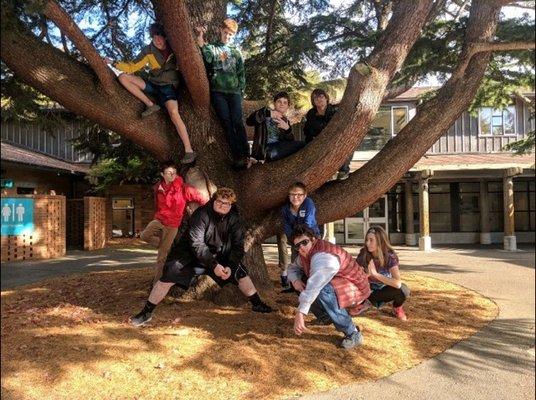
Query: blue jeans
[
  {"x": 326, "y": 305},
  {"x": 161, "y": 93},
  {"x": 282, "y": 149},
  {"x": 228, "y": 107}
]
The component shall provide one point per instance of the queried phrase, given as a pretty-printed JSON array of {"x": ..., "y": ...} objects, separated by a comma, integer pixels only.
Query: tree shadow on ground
[{"x": 63, "y": 328}]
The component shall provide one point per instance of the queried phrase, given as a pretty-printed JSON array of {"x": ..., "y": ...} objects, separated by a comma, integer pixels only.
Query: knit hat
[{"x": 230, "y": 24}]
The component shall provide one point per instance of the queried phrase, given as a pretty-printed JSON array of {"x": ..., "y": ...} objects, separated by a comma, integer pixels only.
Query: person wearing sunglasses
[
  {"x": 330, "y": 282},
  {"x": 299, "y": 209},
  {"x": 212, "y": 245}
]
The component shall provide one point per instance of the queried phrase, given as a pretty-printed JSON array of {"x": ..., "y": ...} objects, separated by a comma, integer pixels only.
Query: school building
[{"x": 466, "y": 189}]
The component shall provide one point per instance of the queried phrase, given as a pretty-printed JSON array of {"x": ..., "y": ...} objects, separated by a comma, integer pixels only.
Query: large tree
[{"x": 384, "y": 40}]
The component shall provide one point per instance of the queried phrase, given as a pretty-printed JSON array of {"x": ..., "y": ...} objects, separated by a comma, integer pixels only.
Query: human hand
[
  {"x": 275, "y": 114},
  {"x": 372, "y": 268},
  {"x": 281, "y": 123},
  {"x": 298, "y": 285},
  {"x": 299, "y": 323},
  {"x": 222, "y": 272},
  {"x": 201, "y": 30}
]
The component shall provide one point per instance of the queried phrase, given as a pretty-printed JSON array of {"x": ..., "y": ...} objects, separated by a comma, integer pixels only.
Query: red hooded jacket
[{"x": 171, "y": 200}]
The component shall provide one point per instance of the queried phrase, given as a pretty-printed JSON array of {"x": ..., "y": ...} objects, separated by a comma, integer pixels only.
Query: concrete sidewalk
[{"x": 496, "y": 363}]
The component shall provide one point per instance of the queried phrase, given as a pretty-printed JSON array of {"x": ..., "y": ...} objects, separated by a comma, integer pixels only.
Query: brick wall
[
  {"x": 48, "y": 238},
  {"x": 94, "y": 223}
]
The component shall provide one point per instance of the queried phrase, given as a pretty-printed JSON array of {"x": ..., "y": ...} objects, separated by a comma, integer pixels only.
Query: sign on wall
[{"x": 17, "y": 216}]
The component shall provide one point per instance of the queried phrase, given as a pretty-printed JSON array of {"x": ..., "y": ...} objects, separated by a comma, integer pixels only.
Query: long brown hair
[{"x": 384, "y": 247}]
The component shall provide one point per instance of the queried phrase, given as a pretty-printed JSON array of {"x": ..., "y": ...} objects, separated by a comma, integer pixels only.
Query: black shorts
[
  {"x": 186, "y": 275},
  {"x": 161, "y": 93}
]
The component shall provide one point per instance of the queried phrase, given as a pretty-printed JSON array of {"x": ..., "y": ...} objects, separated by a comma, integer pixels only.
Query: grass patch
[{"x": 68, "y": 338}]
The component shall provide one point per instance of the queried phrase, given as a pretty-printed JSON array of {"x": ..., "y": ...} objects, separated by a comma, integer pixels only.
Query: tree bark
[{"x": 179, "y": 34}]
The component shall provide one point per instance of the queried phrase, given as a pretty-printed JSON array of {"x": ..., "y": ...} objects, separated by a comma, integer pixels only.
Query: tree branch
[
  {"x": 179, "y": 33},
  {"x": 318, "y": 161},
  {"x": 433, "y": 118},
  {"x": 65, "y": 23},
  {"x": 480, "y": 47},
  {"x": 269, "y": 29}
]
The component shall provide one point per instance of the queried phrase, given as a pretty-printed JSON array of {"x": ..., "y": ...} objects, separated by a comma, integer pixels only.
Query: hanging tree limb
[{"x": 65, "y": 23}]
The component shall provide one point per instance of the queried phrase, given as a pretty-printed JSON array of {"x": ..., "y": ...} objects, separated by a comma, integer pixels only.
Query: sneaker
[
  {"x": 150, "y": 110},
  {"x": 141, "y": 318},
  {"x": 262, "y": 308},
  {"x": 353, "y": 340},
  {"x": 360, "y": 308},
  {"x": 341, "y": 175},
  {"x": 188, "y": 158},
  {"x": 399, "y": 313}
]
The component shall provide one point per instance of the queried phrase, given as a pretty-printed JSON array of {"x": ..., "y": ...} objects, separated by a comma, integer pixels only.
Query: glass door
[{"x": 356, "y": 227}]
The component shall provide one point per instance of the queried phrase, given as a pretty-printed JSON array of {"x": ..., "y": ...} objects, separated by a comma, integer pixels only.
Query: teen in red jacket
[{"x": 171, "y": 196}]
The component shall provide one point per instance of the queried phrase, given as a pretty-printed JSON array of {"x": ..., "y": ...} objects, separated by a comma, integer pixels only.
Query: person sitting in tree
[
  {"x": 381, "y": 260},
  {"x": 330, "y": 281},
  {"x": 298, "y": 210},
  {"x": 225, "y": 68},
  {"x": 317, "y": 118},
  {"x": 171, "y": 196},
  {"x": 273, "y": 138},
  {"x": 213, "y": 244},
  {"x": 160, "y": 85}
]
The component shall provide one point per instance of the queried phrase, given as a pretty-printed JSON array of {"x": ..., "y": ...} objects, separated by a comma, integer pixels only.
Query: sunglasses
[{"x": 304, "y": 242}]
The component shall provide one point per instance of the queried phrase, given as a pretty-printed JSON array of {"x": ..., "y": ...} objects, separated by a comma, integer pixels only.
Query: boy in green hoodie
[{"x": 225, "y": 68}]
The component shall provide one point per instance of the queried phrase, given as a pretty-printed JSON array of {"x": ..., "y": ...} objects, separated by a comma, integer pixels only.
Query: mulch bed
[{"x": 68, "y": 338}]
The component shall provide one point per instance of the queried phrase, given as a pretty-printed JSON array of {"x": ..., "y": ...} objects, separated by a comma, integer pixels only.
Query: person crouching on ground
[
  {"x": 160, "y": 85},
  {"x": 273, "y": 138},
  {"x": 212, "y": 245},
  {"x": 384, "y": 275},
  {"x": 171, "y": 196},
  {"x": 334, "y": 282}
]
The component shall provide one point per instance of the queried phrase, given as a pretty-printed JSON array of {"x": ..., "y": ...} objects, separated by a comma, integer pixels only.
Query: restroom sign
[{"x": 17, "y": 216}]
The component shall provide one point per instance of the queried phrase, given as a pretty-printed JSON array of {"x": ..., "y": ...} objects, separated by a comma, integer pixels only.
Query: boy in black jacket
[
  {"x": 213, "y": 245},
  {"x": 273, "y": 138}
]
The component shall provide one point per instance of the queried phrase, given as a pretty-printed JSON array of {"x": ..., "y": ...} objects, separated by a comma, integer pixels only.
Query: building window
[
  {"x": 387, "y": 123},
  {"x": 496, "y": 212},
  {"x": 524, "y": 206},
  {"x": 440, "y": 207},
  {"x": 493, "y": 122},
  {"x": 469, "y": 208}
]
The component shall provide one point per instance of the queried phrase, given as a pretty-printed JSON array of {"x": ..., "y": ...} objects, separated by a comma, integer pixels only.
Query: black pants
[
  {"x": 388, "y": 294},
  {"x": 228, "y": 107}
]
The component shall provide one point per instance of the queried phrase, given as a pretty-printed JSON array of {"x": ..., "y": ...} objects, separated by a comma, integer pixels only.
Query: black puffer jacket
[
  {"x": 210, "y": 239},
  {"x": 314, "y": 123},
  {"x": 258, "y": 119}
]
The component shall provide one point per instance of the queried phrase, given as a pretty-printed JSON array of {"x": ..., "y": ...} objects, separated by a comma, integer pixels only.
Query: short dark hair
[
  {"x": 157, "y": 29},
  {"x": 316, "y": 93},
  {"x": 298, "y": 185},
  {"x": 168, "y": 164},
  {"x": 282, "y": 95},
  {"x": 301, "y": 230}
]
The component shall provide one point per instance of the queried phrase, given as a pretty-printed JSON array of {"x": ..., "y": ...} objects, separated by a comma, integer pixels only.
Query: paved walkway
[{"x": 496, "y": 363}]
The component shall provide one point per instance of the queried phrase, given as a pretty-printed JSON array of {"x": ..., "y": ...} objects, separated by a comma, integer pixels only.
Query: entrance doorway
[
  {"x": 356, "y": 227},
  {"x": 122, "y": 217}
]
